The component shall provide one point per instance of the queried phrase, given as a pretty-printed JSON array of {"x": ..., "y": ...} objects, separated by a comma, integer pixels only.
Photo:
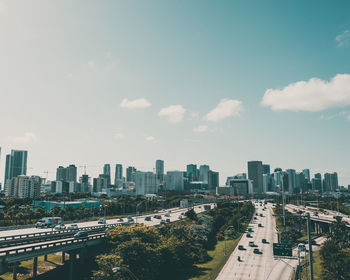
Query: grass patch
[
  {"x": 317, "y": 267},
  {"x": 25, "y": 269},
  {"x": 211, "y": 269}
]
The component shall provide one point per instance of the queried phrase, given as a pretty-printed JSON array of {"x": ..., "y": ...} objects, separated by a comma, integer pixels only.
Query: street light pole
[{"x": 310, "y": 245}]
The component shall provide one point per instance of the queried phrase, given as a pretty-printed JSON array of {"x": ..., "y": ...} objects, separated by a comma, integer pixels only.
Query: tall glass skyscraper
[{"x": 16, "y": 164}]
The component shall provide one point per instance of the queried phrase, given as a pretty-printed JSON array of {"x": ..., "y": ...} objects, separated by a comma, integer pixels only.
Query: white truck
[{"x": 48, "y": 222}]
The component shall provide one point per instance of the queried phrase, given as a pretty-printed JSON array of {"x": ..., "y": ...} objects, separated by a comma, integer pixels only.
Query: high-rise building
[
  {"x": 301, "y": 182},
  {"x": 118, "y": 179},
  {"x": 204, "y": 173},
  {"x": 285, "y": 182},
  {"x": 255, "y": 172},
  {"x": 107, "y": 172},
  {"x": 330, "y": 181},
  {"x": 101, "y": 183},
  {"x": 16, "y": 164},
  {"x": 278, "y": 176},
  {"x": 160, "y": 170},
  {"x": 191, "y": 172},
  {"x": 292, "y": 180},
  {"x": 129, "y": 171},
  {"x": 213, "y": 179},
  {"x": 23, "y": 186},
  {"x": 145, "y": 182},
  {"x": 175, "y": 180},
  {"x": 266, "y": 169},
  {"x": 66, "y": 174},
  {"x": 85, "y": 183},
  {"x": 306, "y": 173}
]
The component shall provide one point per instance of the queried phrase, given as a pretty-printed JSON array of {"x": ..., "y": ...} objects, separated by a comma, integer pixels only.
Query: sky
[{"x": 187, "y": 81}]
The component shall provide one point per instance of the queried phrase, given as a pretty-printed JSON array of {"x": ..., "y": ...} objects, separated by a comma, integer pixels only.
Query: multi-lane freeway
[{"x": 263, "y": 265}]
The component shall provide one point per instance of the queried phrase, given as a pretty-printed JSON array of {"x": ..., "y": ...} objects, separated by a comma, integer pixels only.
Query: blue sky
[{"x": 94, "y": 82}]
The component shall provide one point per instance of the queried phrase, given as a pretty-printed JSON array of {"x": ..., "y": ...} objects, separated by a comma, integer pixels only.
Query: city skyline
[{"x": 189, "y": 90}]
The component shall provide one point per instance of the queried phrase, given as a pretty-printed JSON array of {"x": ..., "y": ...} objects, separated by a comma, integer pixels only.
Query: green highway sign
[{"x": 282, "y": 249}]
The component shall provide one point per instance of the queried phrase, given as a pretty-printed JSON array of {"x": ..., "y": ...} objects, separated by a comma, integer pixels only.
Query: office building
[
  {"x": 118, "y": 179},
  {"x": 331, "y": 181},
  {"x": 301, "y": 182},
  {"x": 266, "y": 169},
  {"x": 85, "y": 185},
  {"x": 160, "y": 171},
  {"x": 66, "y": 174},
  {"x": 23, "y": 186},
  {"x": 255, "y": 172},
  {"x": 100, "y": 184},
  {"x": 129, "y": 171},
  {"x": 175, "y": 180},
  {"x": 16, "y": 164},
  {"x": 306, "y": 173},
  {"x": 145, "y": 182},
  {"x": 191, "y": 172},
  {"x": 236, "y": 187},
  {"x": 107, "y": 172},
  {"x": 292, "y": 180},
  {"x": 204, "y": 173},
  {"x": 213, "y": 179}
]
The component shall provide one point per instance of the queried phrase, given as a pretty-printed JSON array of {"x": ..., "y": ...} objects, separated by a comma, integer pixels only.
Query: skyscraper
[
  {"x": 107, "y": 172},
  {"x": 191, "y": 172},
  {"x": 266, "y": 169},
  {"x": 66, "y": 174},
  {"x": 160, "y": 170},
  {"x": 292, "y": 180},
  {"x": 255, "y": 172},
  {"x": 118, "y": 179},
  {"x": 213, "y": 179},
  {"x": 204, "y": 173},
  {"x": 129, "y": 172},
  {"x": 16, "y": 164},
  {"x": 307, "y": 174}
]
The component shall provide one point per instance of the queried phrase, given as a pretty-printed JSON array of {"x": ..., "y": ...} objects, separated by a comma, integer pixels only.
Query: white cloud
[
  {"x": 312, "y": 96},
  {"x": 195, "y": 115},
  {"x": 201, "y": 128},
  {"x": 119, "y": 135},
  {"x": 135, "y": 104},
  {"x": 331, "y": 117},
  {"x": 150, "y": 139},
  {"x": 28, "y": 137},
  {"x": 226, "y": 108},
  {"x": 343, "y": 39},
  {"x": 174, "y": 113}
]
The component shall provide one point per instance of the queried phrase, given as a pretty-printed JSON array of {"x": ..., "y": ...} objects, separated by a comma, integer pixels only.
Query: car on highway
[
  {"x": 325, "y": 213},
  {"x": 255, "y": 218},
  {"x": 167, "y": 215},
  {"x": 251, "y": 244},
  {"x": 73, "y": 227},
  {"x": 120, "y": 220},
  {"x": 40, "y": 224},
  {"x": 256, "y": 251},
  {"x": 250, "y": 230},
  {"x": 81, "y": 234},
  {"x": 180, "y": 217},
  {"x": 148, "y": 218},
  {"x": 183, "y": 213},
  {"x": 264, "y": 241},
  {"x": 162, "y": 222},
  {"x": 157, "y": 216},
  {"x": 259, "y": 225},
  {"x": 167, "y": 220},
  {"x": 101, "y": 221},
  {"x": 301, "y": 247},
  {"x": 261, "y": 215},
  {"x": 240, "y": 247},
  {"x": 60, "y": 227}
]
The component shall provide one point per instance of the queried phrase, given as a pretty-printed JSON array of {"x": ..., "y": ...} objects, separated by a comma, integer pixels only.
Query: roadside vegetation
[{"x": 174, "y": 251}]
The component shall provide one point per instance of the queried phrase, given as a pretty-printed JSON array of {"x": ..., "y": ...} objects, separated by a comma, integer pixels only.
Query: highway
[
  {"x": 174, "y": 215},
  {"x": 253, "y": 266},
  {"x": 260, "y": 266}
]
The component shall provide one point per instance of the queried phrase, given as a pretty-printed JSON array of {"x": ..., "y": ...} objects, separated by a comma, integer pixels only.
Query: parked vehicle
[
  {"x": 264, "y": 241},
  {"x": 73, "y": 227},
  {"x": 240, "y": 247},
  {"x": 259, "y": 225},
  {"x": 251, "y": 243},
  {"x": 250, "y": 230},
  {"x": 81, "y": 234},
  {"x": 249, "y": 235},
  {"x": 256, "y": 251},
  {"x": 101, "y": 221}
]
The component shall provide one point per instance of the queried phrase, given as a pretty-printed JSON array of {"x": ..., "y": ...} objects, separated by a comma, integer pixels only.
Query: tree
[{"x": 191, "y": 214}]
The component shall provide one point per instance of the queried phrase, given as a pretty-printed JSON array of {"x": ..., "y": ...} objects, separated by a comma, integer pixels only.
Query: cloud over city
[
  {"x": 310, "y": 96},
  {"x": 135, "y": 104},
  {"x": 226, "y": 108},
  {"x": 173, "y": 113}
]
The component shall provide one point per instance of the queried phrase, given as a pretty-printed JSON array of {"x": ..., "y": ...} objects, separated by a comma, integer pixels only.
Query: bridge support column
[
  {"x": 45, "y": 258},
  {"x": 71, "y": 265},
  {"x": 14, "y": 276},
  {"x": 35, "y": 268},
  {"x": 63, "y": 257}
]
